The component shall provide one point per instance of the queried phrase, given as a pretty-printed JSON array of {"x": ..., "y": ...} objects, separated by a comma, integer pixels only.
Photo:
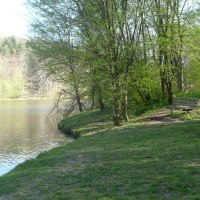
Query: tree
[
  {"x": 111, "y": 33},
  {"x": 55, "y": 44},
  {"x": 112, "y": 49},
  {"x": 169, "y": 27}
]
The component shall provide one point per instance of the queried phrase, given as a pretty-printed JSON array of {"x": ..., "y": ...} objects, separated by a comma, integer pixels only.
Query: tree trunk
[
  {"x": 100, "y": 98},
  {"x": 78, "y": 98},
  {"x": 125, "y": 107},
  {"x": 116, "y": 112},
  {"x": 116, "y": 105},
  {"x": 169, "y": 92},
  {"x": 93, "y": 92},
  {"x": 180, "y": 79},
  {"x": 163, "y": 87}
]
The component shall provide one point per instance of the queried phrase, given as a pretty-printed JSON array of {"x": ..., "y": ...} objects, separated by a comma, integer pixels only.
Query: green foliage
[
  {"x": 144, "y": 89},
  {"x": 131, "y": 55},
  {"x": 191, "y": 94},
  {"x": 11, "y": 46},
  {"x": 17, "y": 71},
  {"x": 12, "y": 67},
  {"x": 12, "y": 87}
]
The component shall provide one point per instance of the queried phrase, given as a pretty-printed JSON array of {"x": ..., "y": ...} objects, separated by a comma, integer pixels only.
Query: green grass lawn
[
  {"x": 141, "y": 162},
  {"x": 88, "y": 122},
  {"x": 193, "y": 115}
]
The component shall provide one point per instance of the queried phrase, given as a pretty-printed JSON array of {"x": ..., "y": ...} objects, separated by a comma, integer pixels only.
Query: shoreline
[
  {"x": 98, "y": 166},
  {"x": 26, "y": 99},
  {"x": 22, "y": 112}
]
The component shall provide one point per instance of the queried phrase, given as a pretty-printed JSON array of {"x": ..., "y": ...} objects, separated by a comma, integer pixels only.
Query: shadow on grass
[{"x": 88, "y": 121}]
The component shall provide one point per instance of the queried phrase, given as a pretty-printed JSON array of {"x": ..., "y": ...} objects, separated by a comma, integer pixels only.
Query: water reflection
[{"x": 25, "y": 132}]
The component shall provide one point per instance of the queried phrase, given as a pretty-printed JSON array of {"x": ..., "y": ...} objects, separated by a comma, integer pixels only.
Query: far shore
[{"x": 25, "y": 99}]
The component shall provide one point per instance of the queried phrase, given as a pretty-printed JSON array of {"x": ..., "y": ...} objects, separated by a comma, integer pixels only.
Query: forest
[
  {"x": 18, "y": 79},
  {"x": 12, "y": 67},
  {"x": 120, "y": 54}
]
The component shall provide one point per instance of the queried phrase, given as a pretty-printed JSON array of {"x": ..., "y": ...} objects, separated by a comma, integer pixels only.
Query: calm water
[{"x": 25, "y": 132}]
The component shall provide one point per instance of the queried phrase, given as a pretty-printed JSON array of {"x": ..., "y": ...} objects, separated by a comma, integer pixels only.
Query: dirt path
[{"x": 160, "y": 117}]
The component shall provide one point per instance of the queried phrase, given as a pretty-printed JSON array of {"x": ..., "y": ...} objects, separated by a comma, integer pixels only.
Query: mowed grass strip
[{"x": 147, "y": 162}]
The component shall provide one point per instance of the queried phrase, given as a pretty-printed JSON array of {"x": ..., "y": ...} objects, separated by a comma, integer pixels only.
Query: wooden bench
[{"x": 185, "y": 104}]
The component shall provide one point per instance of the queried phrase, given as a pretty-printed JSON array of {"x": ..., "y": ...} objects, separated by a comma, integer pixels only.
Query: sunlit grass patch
[{"x": 193, "y": 115}]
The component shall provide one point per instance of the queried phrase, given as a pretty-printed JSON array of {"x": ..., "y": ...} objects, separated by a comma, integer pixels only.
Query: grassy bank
[
  {"x": 135, "y": 162},
  {"x": 87, "y": 122}
]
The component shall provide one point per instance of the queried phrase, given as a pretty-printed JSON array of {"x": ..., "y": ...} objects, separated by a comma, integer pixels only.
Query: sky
[{"x": 13, "y": 18}]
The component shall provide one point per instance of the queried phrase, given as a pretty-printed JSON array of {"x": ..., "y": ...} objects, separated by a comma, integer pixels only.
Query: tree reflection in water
[{"x": 25, "y": 132}]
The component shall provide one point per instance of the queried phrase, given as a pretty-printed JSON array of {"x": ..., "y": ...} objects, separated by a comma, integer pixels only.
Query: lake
[{"x": 25, "y": 131}]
